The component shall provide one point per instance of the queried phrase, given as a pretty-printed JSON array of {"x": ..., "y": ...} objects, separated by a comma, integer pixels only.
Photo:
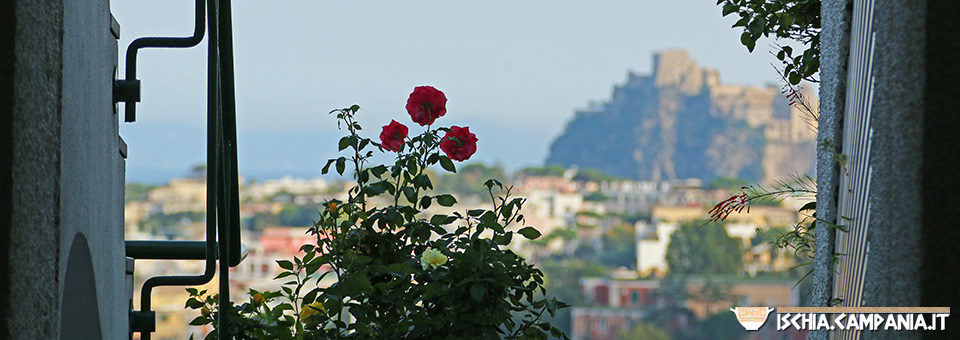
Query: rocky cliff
[{"x": 680, "y": 122}]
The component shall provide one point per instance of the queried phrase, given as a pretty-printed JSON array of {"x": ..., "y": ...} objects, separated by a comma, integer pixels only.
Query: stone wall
[{"x": 62, "y": 180}]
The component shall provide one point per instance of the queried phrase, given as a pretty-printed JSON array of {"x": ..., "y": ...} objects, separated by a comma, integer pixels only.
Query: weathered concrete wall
[
  {"x": 34, "y": 249},
  {"x": 7, "y": 44},
  {"x": 893, "y": 264},
  {"x": 62, "y": 180},
  {"x": 914, "y": 211},
  {"x": 835, "y": 49}
]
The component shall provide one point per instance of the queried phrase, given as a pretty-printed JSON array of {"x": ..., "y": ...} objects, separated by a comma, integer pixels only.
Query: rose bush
[{"x": 398, "y": 271}]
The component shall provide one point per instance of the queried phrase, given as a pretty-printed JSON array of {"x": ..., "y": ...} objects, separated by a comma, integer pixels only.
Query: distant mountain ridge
[{"x": 680, "y": 122}]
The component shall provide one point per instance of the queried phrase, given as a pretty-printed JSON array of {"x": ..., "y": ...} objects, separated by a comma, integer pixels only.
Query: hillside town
[{"x": 605, "y": 248}]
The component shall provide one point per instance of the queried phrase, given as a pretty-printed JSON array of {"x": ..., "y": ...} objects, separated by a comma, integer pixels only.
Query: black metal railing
[{"x": 223, "y": 203}]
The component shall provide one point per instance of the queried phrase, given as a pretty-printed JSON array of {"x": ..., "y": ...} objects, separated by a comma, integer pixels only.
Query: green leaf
[
  {"x": 488, "y": 217},
  {"x": 446, "y": 200},
  {"x": 552, "y": 306},
  {"x": 742, "y": 22},
  {"x": 447, "y": 164},
  {"x": 199, "y": 321},
  {"x": 504, "y": 239},
  {"x": 746, "y": 38},
  {"x": 341, "y": 165},
  {"x": 344, "y": 143},
  {"x": 326, "y": 168},
  {"x": 507, "y": 210},
  {"x": 808, "y": 206},
  {"x": 410, "y": 194},
  {"x": 490, "y": 183},
  {"x": 529, "y": 233},
  {"x": 759, "y": 25},
  {"x": 285, "y": 264},
  {"x": 794, "y": 78},
  {"x": 193, "y": 304},
  {"x": 192, "y": 291},
  {"x": 399, "y": 268},
  {"x": 364, "y": 176},
  {"x": 477, "y": 292},
  {"x": 729, "y": 8},
  {"x": 423, "y": 181},
  {"x": 311, "y": 296},
  {"x": 377, "y": 188},
  {"x": 378, "y": 170},
  {"x": 354, "y": 108},
  {"x": 442, "y": 219},
  {"x": 425, "y": 202},
  {"x": 788, "y": 20}
]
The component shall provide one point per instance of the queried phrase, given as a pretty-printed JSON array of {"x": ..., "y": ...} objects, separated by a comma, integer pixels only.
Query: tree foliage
[
  {"x": 796, "y": 20},
  {"x": 619, "y": 247},
  {"x": 136, "y": 192},
  {"x": 645, "y": 331},
  {"x": 298, "y": 215},
  {"x": 562, "y": 276},
  {"x": 728, "y": 183},
  {"x": 704, "y": 248},
  {"x": 469, "y": 179},
  {"x": 548, "y": 171},
  {"x": 594, "y": 175}
]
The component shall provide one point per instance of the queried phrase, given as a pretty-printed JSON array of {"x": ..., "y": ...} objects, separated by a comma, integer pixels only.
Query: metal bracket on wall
[
  {"x": 126, "y": 91},
  {"x": 143, "y": 321}
]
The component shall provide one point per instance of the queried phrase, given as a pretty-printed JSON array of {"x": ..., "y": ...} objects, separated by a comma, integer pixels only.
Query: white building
[{"x": 295, "y": 186}]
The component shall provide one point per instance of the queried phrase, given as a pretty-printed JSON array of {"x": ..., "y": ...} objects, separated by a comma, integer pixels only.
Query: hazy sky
[{"x": 515, "y": 71}]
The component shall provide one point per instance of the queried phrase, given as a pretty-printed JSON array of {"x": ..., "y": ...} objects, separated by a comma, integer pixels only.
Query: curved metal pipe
[
  {"x": 211, "y": 216},
  {"x": 130, "y": 109}
]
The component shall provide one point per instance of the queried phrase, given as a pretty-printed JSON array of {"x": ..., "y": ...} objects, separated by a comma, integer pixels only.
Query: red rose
[
  {"x": 393, "y": 135},
  {"x": 426, "y": 104},
  {"x": 459, "y": 143}
]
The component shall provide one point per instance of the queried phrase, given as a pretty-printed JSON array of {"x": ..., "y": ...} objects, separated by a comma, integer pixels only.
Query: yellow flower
[
  {"x": 258, "y": 299},
  {"x": 311, "y": 313},
  {"x": 432, "y": 258},
  {"x": 205, "y": 312},
  {"x": 332, "y": 206}
]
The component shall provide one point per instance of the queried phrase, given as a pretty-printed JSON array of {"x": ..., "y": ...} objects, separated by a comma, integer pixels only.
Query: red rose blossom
[
  {"x": 426, "y": 104},
  {"x": 393, "y": 135},
  {"x": 459, "y": 143}
]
